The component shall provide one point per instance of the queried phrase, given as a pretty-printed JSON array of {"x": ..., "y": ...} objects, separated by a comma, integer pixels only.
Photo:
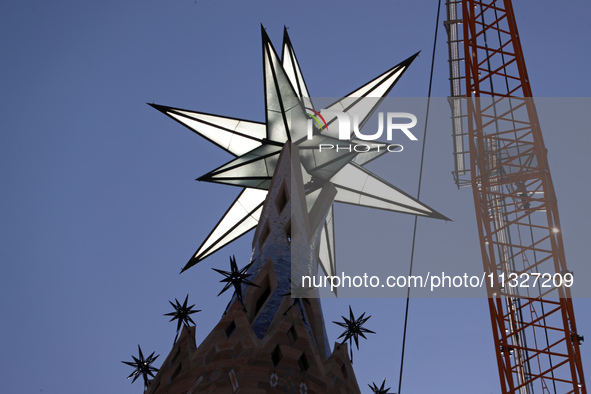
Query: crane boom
[{"x": 500, "y": 152}]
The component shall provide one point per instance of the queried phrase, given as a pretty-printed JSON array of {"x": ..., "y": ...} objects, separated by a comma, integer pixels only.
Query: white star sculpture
[{"x": 256, "y": 147}]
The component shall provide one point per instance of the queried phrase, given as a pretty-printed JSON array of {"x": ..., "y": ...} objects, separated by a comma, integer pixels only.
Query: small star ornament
[
  {"x": 182, "y": 313},
  {"x": 379, "y": 390},
  {"x": 143, "y": 366},
  {"x": 235, "y": 278},
  {"x": 353, "y": 329}
]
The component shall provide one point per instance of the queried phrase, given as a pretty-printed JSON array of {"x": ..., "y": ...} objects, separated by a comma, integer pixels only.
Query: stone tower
[{"x": 276, "y": 343}]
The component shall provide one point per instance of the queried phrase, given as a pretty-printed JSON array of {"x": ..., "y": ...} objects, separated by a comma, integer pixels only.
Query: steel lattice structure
[{"x": 500, "y": 152}]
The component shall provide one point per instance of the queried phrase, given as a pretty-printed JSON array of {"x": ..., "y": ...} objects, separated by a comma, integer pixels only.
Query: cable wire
[{"x": 414, "y": 233}]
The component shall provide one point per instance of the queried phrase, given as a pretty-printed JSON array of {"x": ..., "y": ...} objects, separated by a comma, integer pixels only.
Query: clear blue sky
[{"x": 99, "y": 210}]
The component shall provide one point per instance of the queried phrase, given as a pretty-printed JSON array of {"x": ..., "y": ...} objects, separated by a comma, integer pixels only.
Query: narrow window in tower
[
  {"x": 230, "y": 329},
  {"x": 175, "y": 356},
  {"x": 259, "y": 296},
  {"x": 303, "y": 363},
  {"x": 344, "y": 371},
  {"x": 262, "y": 299},
  {"x": 264, "y": 234},
  {"x": 176, "y": 372},
  {"x": 292, "y": 335},
  {"x": 276, "y": 355},
  {"x": 282, "y": 198}
]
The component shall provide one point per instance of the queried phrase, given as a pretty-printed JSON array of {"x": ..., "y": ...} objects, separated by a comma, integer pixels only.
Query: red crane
[{"x": 500, "y": 152}]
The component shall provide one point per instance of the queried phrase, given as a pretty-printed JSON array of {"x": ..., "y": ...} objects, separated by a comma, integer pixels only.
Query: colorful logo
[{"x": 315, "y": 116}]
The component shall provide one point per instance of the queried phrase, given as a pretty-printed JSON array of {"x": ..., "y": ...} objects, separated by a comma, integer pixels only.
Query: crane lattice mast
[{"x": 500, "y": 152}]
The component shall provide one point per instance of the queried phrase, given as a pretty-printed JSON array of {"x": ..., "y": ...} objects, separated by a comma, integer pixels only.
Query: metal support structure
[
  {"x": 457, "y": 97},
  {"x": 495, "y": 120}
]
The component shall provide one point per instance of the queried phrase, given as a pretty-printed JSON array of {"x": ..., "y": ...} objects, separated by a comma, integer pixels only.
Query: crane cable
[{"x": 414, "y": 234}]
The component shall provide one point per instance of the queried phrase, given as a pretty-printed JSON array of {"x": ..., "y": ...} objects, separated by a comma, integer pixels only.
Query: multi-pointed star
[
  {"x": 236, "y": 278},
  {"x": 182, "y": 313},
  {"x": 143, "y": 366},
  {"x": 256, "y": 147},
  {"x": 353, "y": 329},
  {"x": 381, "y": 389}
]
